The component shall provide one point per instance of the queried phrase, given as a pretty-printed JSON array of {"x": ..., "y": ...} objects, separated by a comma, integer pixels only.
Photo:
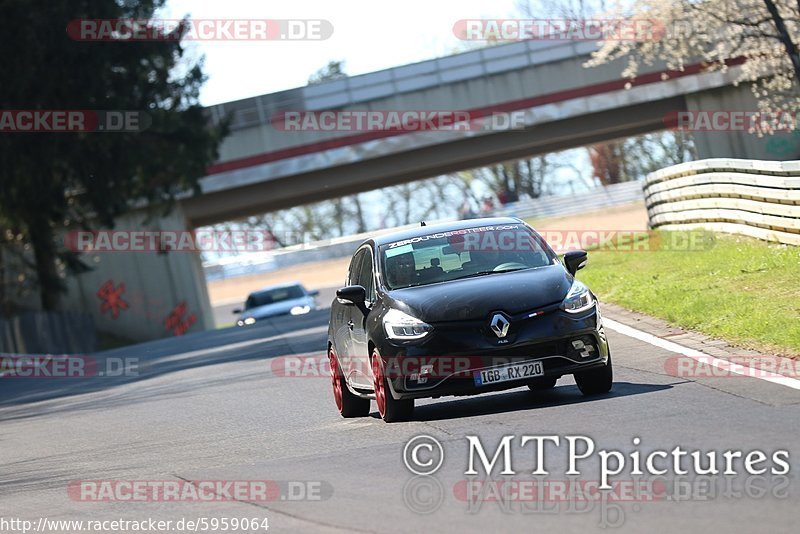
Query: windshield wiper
[
  {"x": 483, "y": 273},
  {"x": 415, "y": 284}
]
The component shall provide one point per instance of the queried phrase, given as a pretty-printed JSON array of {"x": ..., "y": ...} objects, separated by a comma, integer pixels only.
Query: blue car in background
[{"x": 282, "y": 299}]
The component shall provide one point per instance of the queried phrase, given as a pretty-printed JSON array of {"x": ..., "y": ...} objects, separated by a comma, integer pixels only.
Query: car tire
[
  {"x": 541, "y": 384},
  {"x": 596, "y": 381},
  {"x": 348, "y": 404},
  {"x": 390, "y": 409}
]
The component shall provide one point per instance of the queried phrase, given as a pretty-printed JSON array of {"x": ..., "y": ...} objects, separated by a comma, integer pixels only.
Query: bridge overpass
[{"x": 262, "y": 167}]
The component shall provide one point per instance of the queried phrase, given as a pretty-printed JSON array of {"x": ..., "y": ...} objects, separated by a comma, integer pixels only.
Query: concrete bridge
[{"x": 563, "y": 105}]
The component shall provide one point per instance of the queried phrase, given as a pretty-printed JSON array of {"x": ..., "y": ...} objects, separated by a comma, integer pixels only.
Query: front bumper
[
  {"x": 248, "y": 321},
  {"x": 446, "y": 361}
]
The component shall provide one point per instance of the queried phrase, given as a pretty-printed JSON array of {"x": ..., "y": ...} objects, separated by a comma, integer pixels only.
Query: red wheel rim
[
  {"x": 380, "y": 391},
  {"x": 335, "y": 381}
]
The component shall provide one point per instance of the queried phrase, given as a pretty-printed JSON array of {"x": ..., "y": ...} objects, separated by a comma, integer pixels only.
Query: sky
[{"x": 367, "y": 35}]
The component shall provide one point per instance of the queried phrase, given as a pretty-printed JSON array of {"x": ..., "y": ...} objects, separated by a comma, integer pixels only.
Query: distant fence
[
  {"x": 759, "y": 199},
  {"x": 263, "y": 262},
  {"x": 35, "y": 332},
  {"x": 591, "y": 200},
  {"x": 550, "y": 206}
]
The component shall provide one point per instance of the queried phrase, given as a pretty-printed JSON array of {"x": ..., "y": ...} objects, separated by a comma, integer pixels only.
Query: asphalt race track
[
  {"x": 223, "y": 313},
  {"x": 214, "y": 406}
]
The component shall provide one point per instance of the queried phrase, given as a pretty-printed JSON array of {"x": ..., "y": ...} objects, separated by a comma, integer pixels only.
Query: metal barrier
[
  {"x": 759, "y": 199},
  {"x": 576, "y": 203},
  {"x": 39, "y": 332}
]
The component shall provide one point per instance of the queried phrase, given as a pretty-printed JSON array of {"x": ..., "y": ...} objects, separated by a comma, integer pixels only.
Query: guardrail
[
  {"x": 591, "y": 200},
  {"x": 759, "y": 199},
  {"x": 39, "y": 332},
  {"x": 263, "y": 262}
]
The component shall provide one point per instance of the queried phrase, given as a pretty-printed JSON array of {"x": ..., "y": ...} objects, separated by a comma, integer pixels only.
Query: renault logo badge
[{"x": 499, "y": 325}]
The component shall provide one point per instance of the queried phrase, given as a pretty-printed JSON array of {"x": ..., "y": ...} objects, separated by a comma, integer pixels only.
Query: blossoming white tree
[{"x": 763, "y": 33}]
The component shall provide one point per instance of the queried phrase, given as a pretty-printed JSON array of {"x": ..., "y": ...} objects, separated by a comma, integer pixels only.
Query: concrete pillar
[
  {"x": 143, "y": 295},
  {"x": 739, "y": 144}
]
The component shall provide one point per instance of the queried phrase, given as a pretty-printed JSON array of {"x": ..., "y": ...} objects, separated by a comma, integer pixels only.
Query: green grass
[{"x": 739, "y": 289}]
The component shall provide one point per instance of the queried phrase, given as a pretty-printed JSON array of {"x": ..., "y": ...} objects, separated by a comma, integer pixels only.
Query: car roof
[
  {"x": 276, "y": 286},
  {"x": 418, "y": 231}
]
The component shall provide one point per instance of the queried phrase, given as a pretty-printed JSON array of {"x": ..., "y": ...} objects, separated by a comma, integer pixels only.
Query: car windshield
[
  {"x": 271, "y": 296},
  {"x": 470, "y": 252}
]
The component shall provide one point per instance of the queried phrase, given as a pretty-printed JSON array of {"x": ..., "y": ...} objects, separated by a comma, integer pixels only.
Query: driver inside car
[
  {"x": 401, "y": 270},
  {"x": 482, "y": 260}
]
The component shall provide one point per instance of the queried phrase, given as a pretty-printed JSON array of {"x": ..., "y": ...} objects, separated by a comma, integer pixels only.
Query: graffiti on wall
[
  {"x": 177, "y": 321},
  {"x": 111, "y": 298}
]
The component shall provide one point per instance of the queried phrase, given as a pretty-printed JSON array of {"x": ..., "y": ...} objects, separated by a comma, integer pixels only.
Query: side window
[
  {"x": 355, "y": 267},
  {"x": 365, "y": 277}
]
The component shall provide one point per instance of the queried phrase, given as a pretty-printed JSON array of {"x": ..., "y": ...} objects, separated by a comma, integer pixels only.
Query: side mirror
[
  {"x": 237, "y": 311},
  {"x": 313, "y": 293},
  {"x": 353, "y": 296},
  {"x": 575, "y": 260}
]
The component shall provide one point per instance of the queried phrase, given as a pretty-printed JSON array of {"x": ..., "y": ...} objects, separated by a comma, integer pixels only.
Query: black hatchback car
[{"x": 459, "y": 309}]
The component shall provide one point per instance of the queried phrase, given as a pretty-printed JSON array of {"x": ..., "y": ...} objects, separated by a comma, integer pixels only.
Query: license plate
[{"x": 515, "y": 371}]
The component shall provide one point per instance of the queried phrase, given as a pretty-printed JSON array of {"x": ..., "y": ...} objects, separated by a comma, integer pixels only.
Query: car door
[
  {"x": 362, "y": 377},
  {"x": 342, "y": 317}
]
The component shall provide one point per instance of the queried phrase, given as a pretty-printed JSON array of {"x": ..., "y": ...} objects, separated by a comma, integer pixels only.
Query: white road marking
[{"x": 701, "y": 357}]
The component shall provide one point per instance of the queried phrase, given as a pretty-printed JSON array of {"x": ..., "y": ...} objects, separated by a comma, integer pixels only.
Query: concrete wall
[{"x": 153, "y": 287}]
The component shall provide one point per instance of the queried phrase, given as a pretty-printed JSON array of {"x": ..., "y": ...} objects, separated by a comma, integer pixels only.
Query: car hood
[
  {"x": 276, "y": 308},
  {"x": 474, "y": 298}
]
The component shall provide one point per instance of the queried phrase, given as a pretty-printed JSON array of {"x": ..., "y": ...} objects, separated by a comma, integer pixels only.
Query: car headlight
[
  {"x": 300, "y": 310},
  {"x": 578, "y": 298},
  {"x": 399, "y": 325},
  {"x": 247, "y": 320}
]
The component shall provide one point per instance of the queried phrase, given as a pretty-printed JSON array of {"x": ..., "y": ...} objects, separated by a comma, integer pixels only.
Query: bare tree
[{"x": 412, "y": 202}]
